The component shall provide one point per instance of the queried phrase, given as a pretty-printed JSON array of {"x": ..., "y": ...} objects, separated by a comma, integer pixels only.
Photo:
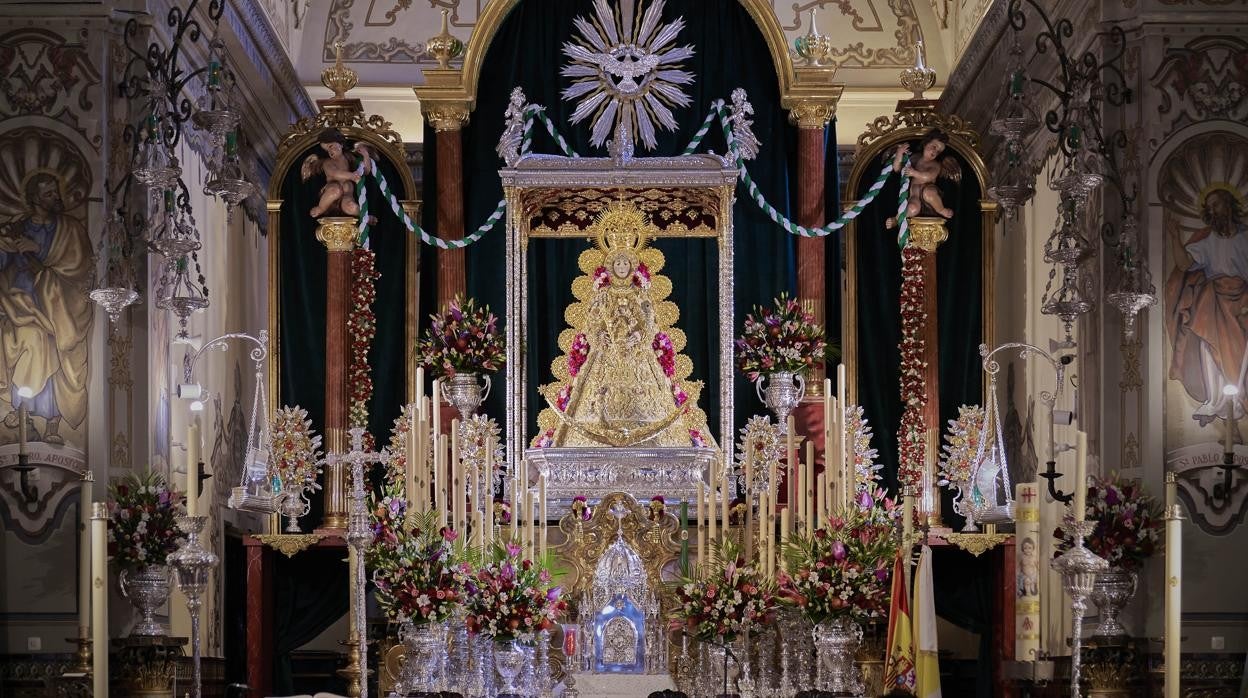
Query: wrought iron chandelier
[
  {"x": 156, "y": 77},
  {"x": 1088, "y": 157}
]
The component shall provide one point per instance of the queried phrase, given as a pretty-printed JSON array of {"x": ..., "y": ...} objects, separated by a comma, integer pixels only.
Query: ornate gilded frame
[
  {"x": 535, "y": 180},
  {"x": 911, "y": 122},
  {"x": 347, "y": 116}
]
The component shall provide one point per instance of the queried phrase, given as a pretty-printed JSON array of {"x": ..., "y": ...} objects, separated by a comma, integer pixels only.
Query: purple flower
[
  {"x": 553, "y": 594},
  {"x": 838, "y": 550},
  {"x": 513, "y": 550},
  {"x": 864, "y": 500},
  {"x": 1111, "y": 496}
]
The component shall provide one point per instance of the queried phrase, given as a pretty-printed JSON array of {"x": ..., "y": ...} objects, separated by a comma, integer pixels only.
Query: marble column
[
  {"x": 448, "y": 122},
  {"x": 811, "y": 118},
  {"x": 338, "y": 236}
]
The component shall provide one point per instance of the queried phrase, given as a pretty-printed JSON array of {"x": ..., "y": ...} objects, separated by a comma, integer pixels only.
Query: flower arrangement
[
  {"x": 1128, "y": 523},
  {"x": 581, "y": 508},
  {"x": 510, "y": 597},
  {"x": 911, "y": 434},
  {"x": 726, "y": 598},
  {"x": 502, "y": 511},
  {"x": 665, "y": 351},
  {"x": 843, "y": 568},
  {"x": 785, "y": 338},
  {"x": 462, "y": 338},
  {"x": 142, "y": 527},
  {"x": 962, "y": 445},
  {"x": 361, "y": 329},
  {"x": 296, "y": 450},
  {"x": 414, "y": 566}
]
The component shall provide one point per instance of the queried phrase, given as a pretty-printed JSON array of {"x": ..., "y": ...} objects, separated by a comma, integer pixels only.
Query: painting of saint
[
  {"x": 45, "y": 272},
  {"x": 1207, "y": 288}
]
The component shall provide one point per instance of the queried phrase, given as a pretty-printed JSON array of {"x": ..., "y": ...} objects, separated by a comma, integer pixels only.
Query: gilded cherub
[
  {"x": 338, "y": 166},
  {"x": 923, "y": 170}
]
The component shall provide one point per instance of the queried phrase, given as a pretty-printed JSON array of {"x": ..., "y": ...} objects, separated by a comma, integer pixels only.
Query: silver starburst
[{"x": 626, "y": 71}]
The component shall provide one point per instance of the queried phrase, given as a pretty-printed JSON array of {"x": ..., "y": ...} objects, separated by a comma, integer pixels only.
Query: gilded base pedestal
[{"x": 927, "y": 232}]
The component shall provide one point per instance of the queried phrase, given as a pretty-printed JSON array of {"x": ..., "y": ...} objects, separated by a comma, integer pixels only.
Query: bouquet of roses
[
  {"x": 726, "y": 598},
  {"x": 462, "y": 338},
  {"x": 785, "y": 338},
  {"x": 511, "y": 598},
  {"x": 843, "y": 569},
  {"x": 1128, "y": 523},
  {"x": 414, "y": 565},
  {"x": 142, "y": 527}
]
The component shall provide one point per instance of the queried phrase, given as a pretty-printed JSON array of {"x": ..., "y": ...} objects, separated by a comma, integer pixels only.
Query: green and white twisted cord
[
  {"x": 780, "y": 219},
  {"x": 903, "y": 221},
  {"x": 414, "y": 227},
  {"x": 704, "y": 128}
]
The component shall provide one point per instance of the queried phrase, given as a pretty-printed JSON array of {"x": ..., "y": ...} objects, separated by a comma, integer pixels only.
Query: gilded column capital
[
  {"x": 812, "y": 112},
  {"x": 447, "y": 116}
]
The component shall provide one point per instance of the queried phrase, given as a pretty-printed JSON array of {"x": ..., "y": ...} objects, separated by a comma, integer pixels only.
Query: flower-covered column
[{"x": 339, "y": 241}]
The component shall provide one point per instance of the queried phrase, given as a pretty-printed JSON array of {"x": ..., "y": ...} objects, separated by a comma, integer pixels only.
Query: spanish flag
[
  {"x": 899, "y": 670},
  {"x": 926, "y": 665}
]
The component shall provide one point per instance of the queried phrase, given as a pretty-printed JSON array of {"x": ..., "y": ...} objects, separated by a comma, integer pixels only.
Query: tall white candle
[
  {"x": 420, "y": 385},
  {"x": 412, "y": 457},
  {"x": 821, "y": 500},
  {"x": 21, "y": 428},
  {"x": 711, "y": 511},
  {"x": 541, "y": 507},
  {"x": 85, "y": 495},
  {"x": 439, "y": 478},
  {"x": 1027, "y": 573},
  {"x": 701, "y": 519},
  {"x": 786, "y": 522},
  {"x": 790, "y": 461},
  {"x": 192, "y": 468},
  {"x": 1174, "y": 589},
  {"x": 832, "y": 458},
  {"x": 1230, "y": 392},
  {"x": 1081, "y": 476},
  {"x": 828, "y": 405},
  {"x": 845, "y": 452},
  {"x": 460, "y": 492},
  {"x": 437, "y": 408},
  {"x": 808, "y": 489},
  {"x": 99, "y": 600}
]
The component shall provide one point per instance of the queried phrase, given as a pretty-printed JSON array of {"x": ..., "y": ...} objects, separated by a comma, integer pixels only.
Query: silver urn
[
  {"x": 782, "y": 395},
  {"x": 424, "y": 657},
  {"x": 836, "y": 646},
  {"x": 293, "y": 504},
  {"x": 1111, "y": 593},
  {"x": 465, "y": 392},
  {"x": 147, "y": 589}
]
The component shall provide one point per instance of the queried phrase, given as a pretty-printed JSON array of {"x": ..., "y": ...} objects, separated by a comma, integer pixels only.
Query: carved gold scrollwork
[
  {"x": 978, "y": 543},
  {"x": 655, "y": 541},
  {"x": 920, "y": 119},
  {"x": 812, "y": 113},
  {"x": 448, "y": 116},
  {"x": 290, "y": 545}
]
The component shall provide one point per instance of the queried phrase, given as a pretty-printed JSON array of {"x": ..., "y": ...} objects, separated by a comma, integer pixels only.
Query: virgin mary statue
[{"x": 622, "y": 381}]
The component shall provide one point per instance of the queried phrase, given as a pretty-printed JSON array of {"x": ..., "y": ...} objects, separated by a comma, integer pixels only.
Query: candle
[
  {"x": 192, "y": 468},
  {"x": 786, "y": 520},
  {"x": 829, "y": 403},
  {"x": 1081, "y": 476},
  {"x": 1230, "y": 392},
  {"x": 437, "y": 408},
  {"x": 808, "y": 480},
  {"x": 420, "y": 384},
  {"x": 762, "y": 532},
  {"x": 99, "y": 599},
  {"x": 85, "y": 494},
  {"x": 21, "y": 421},
  {"x": 725, "y": 499},
  {"x": 1174, "y": 589},
  {"x": 460, "y": 506},
  {"x": 439, "y": 478},
  {"x": 701, "y": 528},
  {"x": 844, "y": 452},
  {"x": 771, "y": 538},
  {"x": 412, "y": 451},
  {"x": 832, "y": 458},
  {"x": 711, "y": 509},
  {"x": 790, "y": 460},
  {"x": 517, "y": 470},
  {"x": 1027, "y": 573},
  {"x": 478, "y": 528},
  {"x": 821, "y": 499}
]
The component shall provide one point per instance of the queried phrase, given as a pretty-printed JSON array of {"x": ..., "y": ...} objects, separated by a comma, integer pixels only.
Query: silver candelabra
[
  {"x": 192, "y": 562},
  {"x": 1079, "y": 567}
]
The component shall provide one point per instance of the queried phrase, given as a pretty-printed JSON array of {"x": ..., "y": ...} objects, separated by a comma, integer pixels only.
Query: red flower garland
[
  {"x": 361, "y": 329},
  {"x": 911, "y": 439}
]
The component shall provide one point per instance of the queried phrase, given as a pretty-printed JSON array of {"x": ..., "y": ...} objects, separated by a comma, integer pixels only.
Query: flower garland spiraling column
[
  {"x": 361, "y": 329},
  {"x": 911, "y": 436}
]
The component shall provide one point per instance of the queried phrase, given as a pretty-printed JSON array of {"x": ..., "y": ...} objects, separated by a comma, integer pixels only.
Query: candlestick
[
  {"x": 192, "y": 468},
  {"x": 541, "y": 506},
  {"x": 99, "y": 599},
  {"x": 1174, "y": 588},
  {"x": 1081, "y": 476},
  {"x": 85, "y": 494}
]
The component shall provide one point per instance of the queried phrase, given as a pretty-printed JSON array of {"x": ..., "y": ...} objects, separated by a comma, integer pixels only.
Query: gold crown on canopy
[{"x": 622, "y": 227}]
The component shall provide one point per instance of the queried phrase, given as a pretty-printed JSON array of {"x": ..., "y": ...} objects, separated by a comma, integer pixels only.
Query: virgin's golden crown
[{"x": 622, "y": 227}]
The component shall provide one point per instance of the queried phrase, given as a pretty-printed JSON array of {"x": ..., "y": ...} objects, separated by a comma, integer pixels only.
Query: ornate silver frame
[{"x": 533, "y": 177}]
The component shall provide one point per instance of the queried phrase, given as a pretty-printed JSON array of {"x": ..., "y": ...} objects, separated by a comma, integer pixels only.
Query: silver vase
[
  {"x": 836, "y": 643},
  {"x": 424, "y": 648},
  {"x": 465, "y": 392},
  {"x": 782, "y": 395},
  {"x": 293, "y": 506},
  {"x": 964, "y": 506},
  {"x": 147, "y": 589},
  {"x": 510, "y": 659},
  {"x": 1111, "y": 593}
]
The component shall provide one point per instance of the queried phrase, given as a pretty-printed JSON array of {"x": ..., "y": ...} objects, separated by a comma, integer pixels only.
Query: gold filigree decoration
[
  {"x": 927, "y": 232},
  {"x": 338, "y": 233},
  {"x": 618, "y": 381},
  {"x": 656, "y": 542},
  {"x": 290, "y": 545},
  {"x": 812, "y": 113},
  {"x": 569, "y": 213},
  {"x": 450, "y": 116},
  {"x": 978, "y": 543},
  {"x": 919, "y": 118}
]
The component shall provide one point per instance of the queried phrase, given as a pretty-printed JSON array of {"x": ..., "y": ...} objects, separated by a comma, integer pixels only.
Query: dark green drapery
[
  {"x": 301, "y": 297},
  {"x": 310, "y": 594},
  {"x": 730, "y": 53}
]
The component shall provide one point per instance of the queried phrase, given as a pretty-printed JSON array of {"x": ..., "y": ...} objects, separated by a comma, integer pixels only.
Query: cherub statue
[
  {"x": 742, "y": 125},
  {"x": 513, "y": 132},
  {"x": 923, "y": 171},
  {"x": 338, "y": 166}
]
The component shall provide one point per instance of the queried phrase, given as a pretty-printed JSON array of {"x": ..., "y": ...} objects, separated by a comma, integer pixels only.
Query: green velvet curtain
[
  {"x": 310, "y": 593},
  {"x": 730, "y": 53}
]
